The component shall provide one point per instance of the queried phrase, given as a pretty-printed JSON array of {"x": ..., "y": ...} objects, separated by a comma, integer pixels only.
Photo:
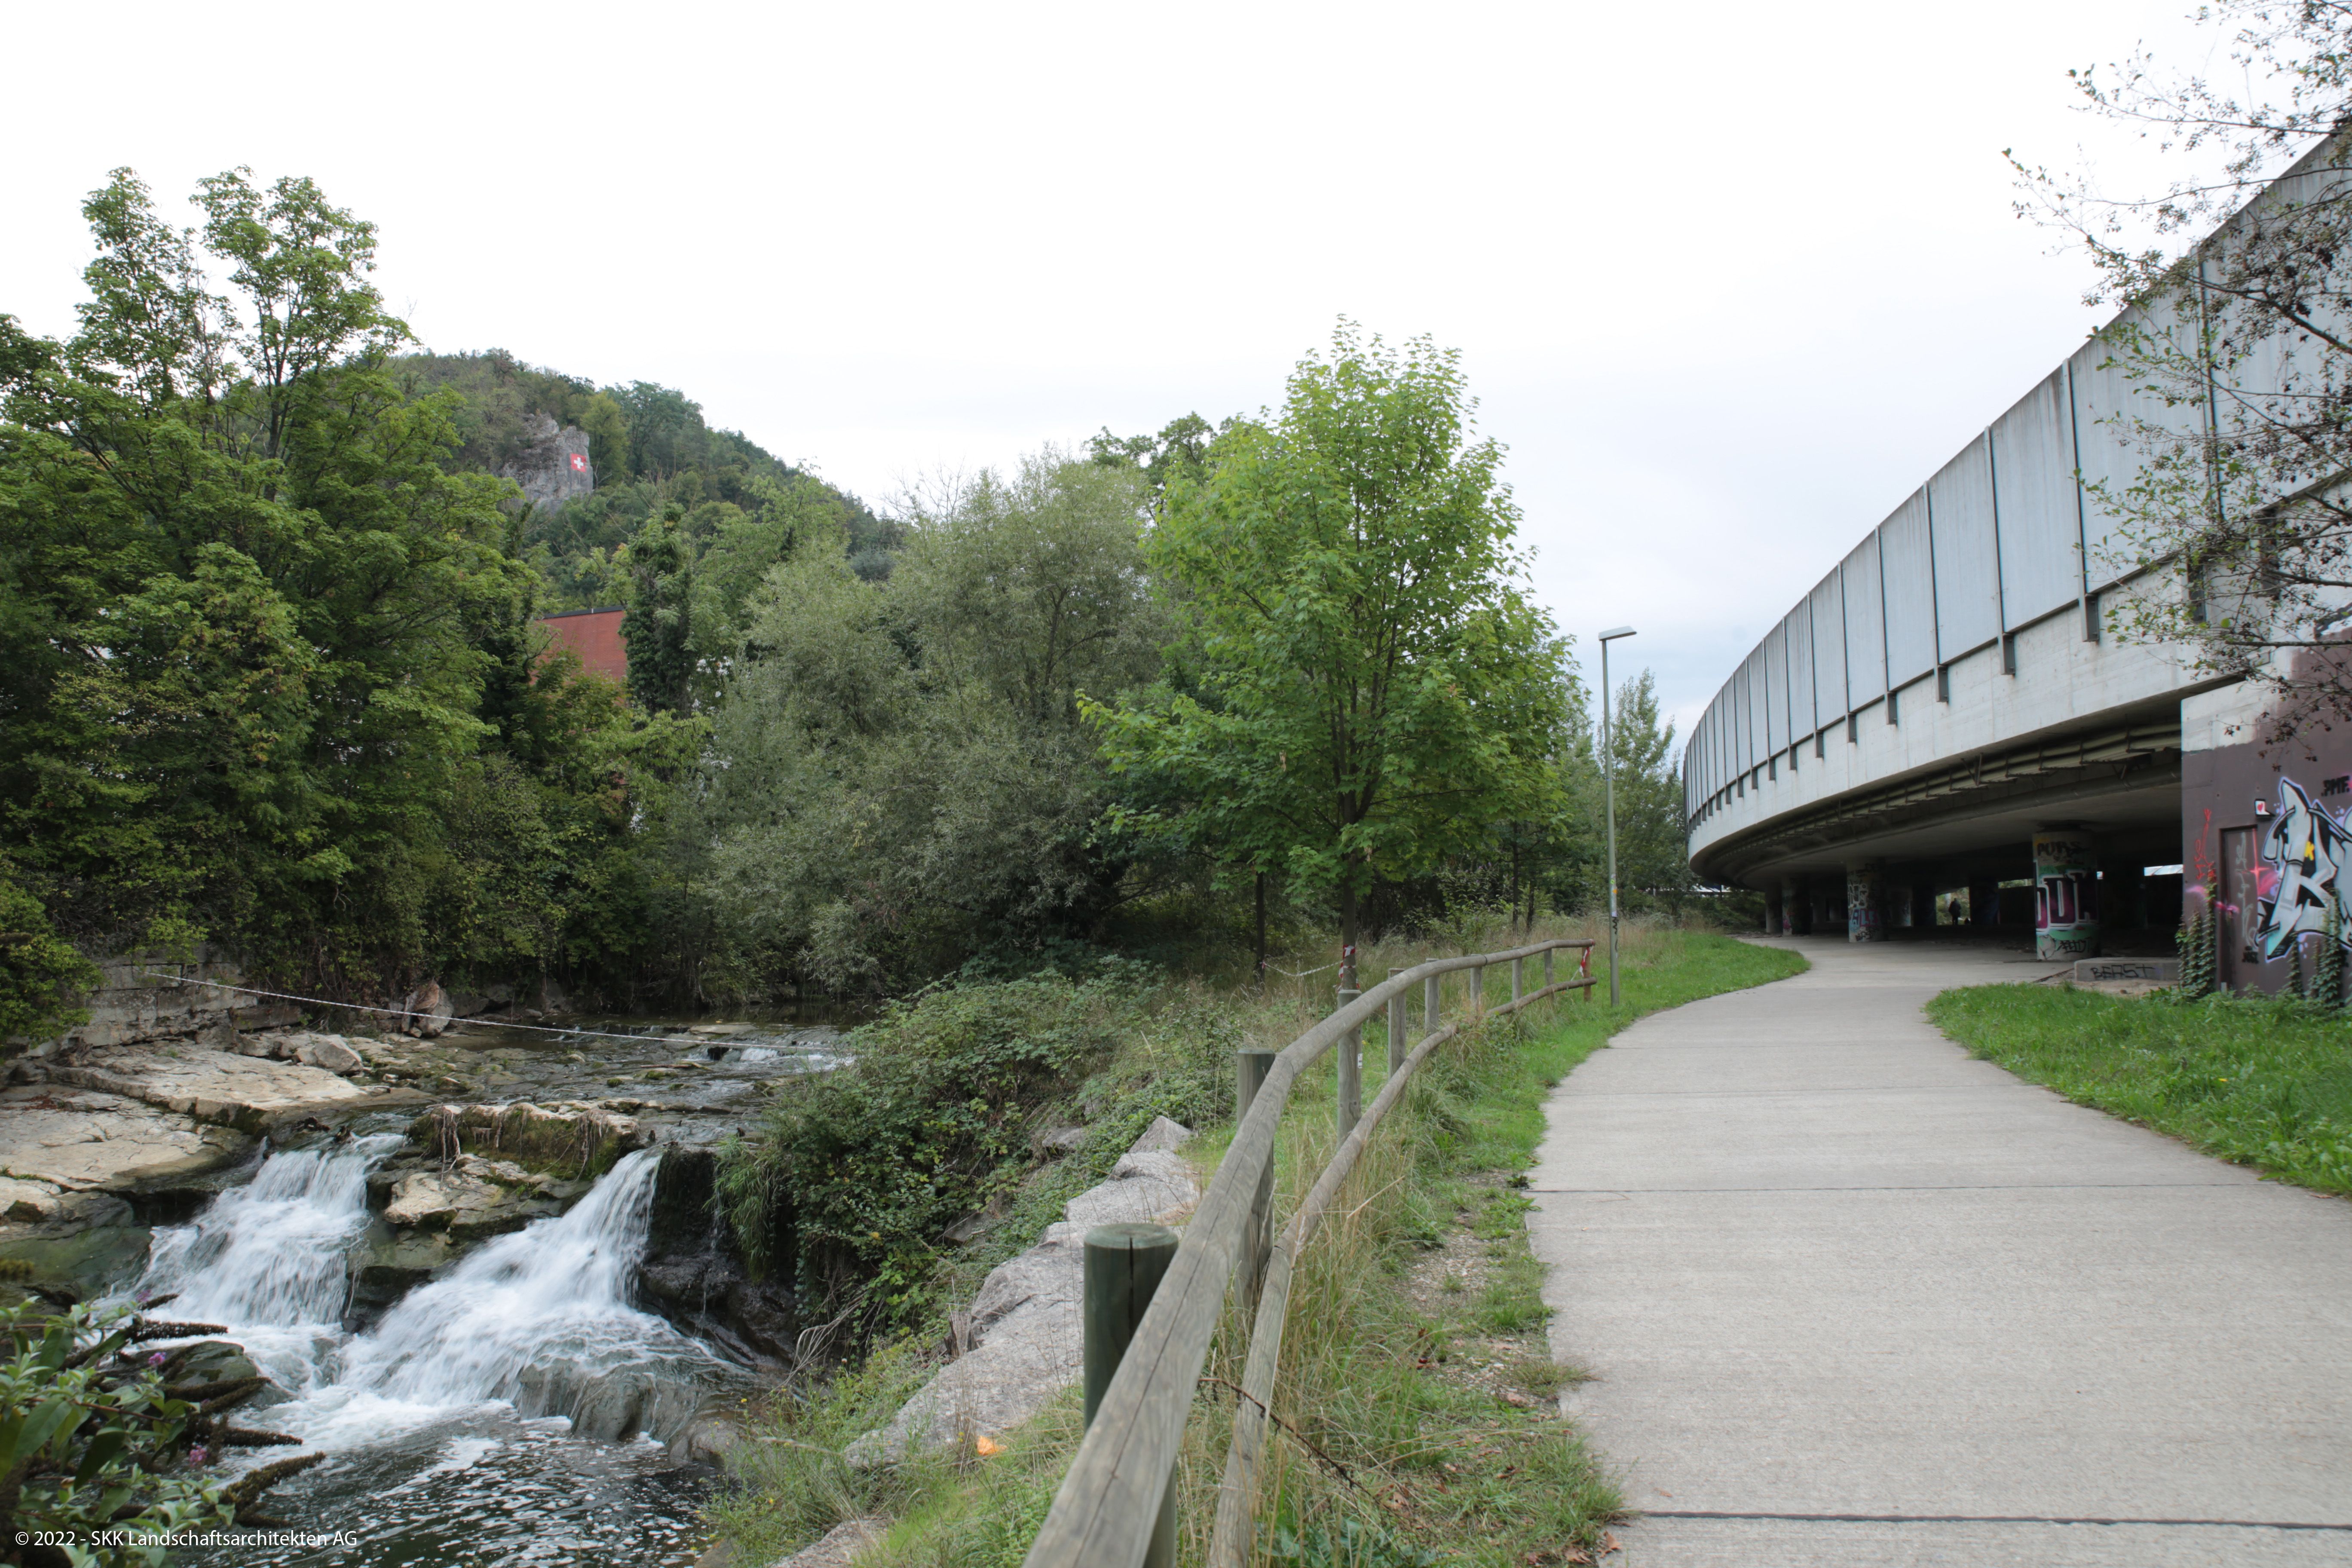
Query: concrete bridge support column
[
  {"x": 1984, "y": 902},
  {"x": 1865, "y": 901},
  {"x": 1795, "y": 918},
  {"x": 2065, "y": 893}
]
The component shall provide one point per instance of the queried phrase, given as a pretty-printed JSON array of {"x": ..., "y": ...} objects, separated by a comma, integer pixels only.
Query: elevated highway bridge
[{"x": 1945, "y": 730}]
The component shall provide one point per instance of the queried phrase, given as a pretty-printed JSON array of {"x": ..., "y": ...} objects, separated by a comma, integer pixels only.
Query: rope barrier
[{"x": 390, "y": 1012}]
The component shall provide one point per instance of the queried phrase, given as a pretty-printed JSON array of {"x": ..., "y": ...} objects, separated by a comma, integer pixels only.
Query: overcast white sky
[{"x": 1731, "y": 279}]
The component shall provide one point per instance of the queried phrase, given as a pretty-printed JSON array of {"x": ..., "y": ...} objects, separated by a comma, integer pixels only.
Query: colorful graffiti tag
[
  {"x": 2065, "y": 895},
  {"x": 2304, "y": 850}
]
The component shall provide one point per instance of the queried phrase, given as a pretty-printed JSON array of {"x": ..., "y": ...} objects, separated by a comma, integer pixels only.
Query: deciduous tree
[{"x": 1368, "y": 686}]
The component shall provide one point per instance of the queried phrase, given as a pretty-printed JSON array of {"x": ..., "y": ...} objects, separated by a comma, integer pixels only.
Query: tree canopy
[{"x": 1367, "y": 683}]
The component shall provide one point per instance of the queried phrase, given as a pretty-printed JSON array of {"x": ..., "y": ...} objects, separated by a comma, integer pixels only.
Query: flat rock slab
[
  {"x": 1851, "y": 1297},
  {"x": 224, "y": 1088},
  {"x": 69, "y": 1140},
  {"x": 1029, "y": 1341}
]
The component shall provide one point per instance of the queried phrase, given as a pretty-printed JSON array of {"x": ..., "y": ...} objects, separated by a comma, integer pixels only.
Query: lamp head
[{"x": 1615, "y": 632}]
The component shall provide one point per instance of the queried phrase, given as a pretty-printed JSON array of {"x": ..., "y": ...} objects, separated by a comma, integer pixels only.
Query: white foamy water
[
  {"x": 266, "y": 1259},
  {"x": 437, "y": 1419},
  {"x": 540, "y": 1317}
]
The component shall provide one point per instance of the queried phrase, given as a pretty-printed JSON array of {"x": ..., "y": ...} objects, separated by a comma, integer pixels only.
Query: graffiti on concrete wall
[
  {"x": 2065, "y": 895},
  {"x": 2304, "y": 850}
]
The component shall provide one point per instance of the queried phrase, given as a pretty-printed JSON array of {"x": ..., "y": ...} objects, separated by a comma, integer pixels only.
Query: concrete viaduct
[{"x": 1945, "y": 730}]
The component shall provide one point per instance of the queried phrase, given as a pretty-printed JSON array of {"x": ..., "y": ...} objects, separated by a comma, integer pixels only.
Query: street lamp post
[{"x": 1609, "y": 780}]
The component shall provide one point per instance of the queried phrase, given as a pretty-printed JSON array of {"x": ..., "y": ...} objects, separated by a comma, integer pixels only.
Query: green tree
[
  {"x": 1180, "y": 451},
  {"x": 1653, "y": 865},
  {"x": 1374, "y": 688},
  {"x": 257, "y": 643},
  {"x": 903, "y": 775},
  {"x": 659, "y": 625}
]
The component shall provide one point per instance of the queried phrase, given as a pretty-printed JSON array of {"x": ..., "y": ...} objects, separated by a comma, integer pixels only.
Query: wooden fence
[{"x": 1110, "y": 1506}]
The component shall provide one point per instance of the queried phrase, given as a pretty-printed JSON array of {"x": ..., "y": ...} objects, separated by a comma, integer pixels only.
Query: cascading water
[
  {"x": 541, "y": 1319},
  {"x": 461, "y": 1428},
  {"x": 268, "y": 1257}
]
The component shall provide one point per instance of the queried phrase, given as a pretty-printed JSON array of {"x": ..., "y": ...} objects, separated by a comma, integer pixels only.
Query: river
[{"x": 515, "y": 1409}]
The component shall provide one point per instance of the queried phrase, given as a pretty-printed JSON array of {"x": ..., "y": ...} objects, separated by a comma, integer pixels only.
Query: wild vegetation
[
  {"x": 2264, "y": 1081},
  {"x": 270, "y": 677},
  {"x": 1428, "y": 1408},
  {"x": 106, "y": 1449}
]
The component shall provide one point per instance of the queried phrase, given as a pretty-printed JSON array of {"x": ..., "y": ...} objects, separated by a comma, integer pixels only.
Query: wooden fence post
[
  {"x": 1398, "y": 1047},
  {"x": 1350, "y": 1050},
  {"x": 1123, "y": 1267},
  {"x": 1252, "y": 1063},
  {"x": 1519, "y": 977},
  {"x": 1432, "y": 1003}
]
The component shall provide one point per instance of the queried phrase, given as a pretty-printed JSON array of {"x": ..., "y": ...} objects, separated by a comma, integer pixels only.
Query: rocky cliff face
[
  {"x": 153, "y": 996},
  {"x": 554, "y": 467}
]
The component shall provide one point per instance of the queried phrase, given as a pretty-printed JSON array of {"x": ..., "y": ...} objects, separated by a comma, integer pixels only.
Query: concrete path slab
[{"x": 1850, "y": 1297}]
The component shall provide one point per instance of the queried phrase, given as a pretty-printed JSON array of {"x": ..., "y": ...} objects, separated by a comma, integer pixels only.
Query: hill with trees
[{"x": 269, "y": 675}]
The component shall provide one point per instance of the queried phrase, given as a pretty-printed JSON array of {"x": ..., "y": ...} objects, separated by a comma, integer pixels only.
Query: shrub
[{"x": 95, "y": 1437}]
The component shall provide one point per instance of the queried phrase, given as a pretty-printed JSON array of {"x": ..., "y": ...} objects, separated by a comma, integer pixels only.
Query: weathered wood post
[
  {"x": 1352, "y": 1070},
  {"x": 1397, "y": 1049},
  {"x": 1432, "y": 1002},
  {"x": 1252, "y": 1064},
  {"x": 1123, "y": 1265},
  {"x": 1548, "y": 952},
  {"x": 1519, "y": 977},
  {"x": 1477, "y": 997}
]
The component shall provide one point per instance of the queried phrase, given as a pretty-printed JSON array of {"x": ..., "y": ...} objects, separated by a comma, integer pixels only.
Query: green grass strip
[{"x": 2262, "y": 1081}]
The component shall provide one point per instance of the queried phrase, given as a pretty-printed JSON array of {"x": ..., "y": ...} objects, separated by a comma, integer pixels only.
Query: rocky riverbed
[{"x": 341, "y": 1199}]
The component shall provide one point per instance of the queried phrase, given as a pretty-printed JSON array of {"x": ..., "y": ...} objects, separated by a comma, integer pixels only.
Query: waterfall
[
  {"x": 266, "y": 1259},
  {"x": 540, "y": 1317},
  {"x": 270, "y": 1253}
]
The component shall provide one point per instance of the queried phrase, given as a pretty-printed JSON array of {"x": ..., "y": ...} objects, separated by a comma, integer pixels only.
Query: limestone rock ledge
[
  {"x": 225, "y": 1088},
  {"x": 57, "y": 1140},
  {"x": 1028, "y": 1337}
]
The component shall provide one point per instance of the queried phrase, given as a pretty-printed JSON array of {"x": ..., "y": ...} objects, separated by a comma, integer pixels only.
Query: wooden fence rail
[{"x": 1105, "y": 1513}]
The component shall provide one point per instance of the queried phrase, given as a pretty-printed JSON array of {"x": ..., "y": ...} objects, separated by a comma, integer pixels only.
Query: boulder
[
  {"x": 1028, "y": 1341},
  {"x": 840, "y": 1545},
  {"x": 1164, "y": 1136},
  {"x": 706, "y": 1439},
  {"x": 425, "y": 1011},
  {"x": 609, "y": 1404},
  {"x": 693, "y": 1275},
  {"x": 332, "y": 1052},
  {"x": 79, "y": 1140},
  {"x": 1063, "y": 1141},
  {"x": 471, "y": 1199},
  {"x": 220, "y": 1087},
  {"x": 386, "y": 1264},
  {"x": 80, "y": 1267}
]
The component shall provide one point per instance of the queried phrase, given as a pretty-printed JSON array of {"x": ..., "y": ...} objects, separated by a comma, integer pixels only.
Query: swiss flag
[{"x": 579, "y": 462}]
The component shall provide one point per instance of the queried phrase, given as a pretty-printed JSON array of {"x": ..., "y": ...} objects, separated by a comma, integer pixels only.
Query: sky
[{"x": 1728, "y": 280}]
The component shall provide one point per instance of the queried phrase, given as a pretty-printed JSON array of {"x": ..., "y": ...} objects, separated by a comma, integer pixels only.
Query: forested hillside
[{"x": 269, "y": 677}]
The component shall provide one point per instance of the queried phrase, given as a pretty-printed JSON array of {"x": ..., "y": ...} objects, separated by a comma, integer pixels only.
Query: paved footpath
[{"x": 1821, "y": 1263}]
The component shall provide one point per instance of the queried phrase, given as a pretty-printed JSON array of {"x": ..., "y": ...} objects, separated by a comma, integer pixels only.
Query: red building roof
[{"x": 595, "y": 636}]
